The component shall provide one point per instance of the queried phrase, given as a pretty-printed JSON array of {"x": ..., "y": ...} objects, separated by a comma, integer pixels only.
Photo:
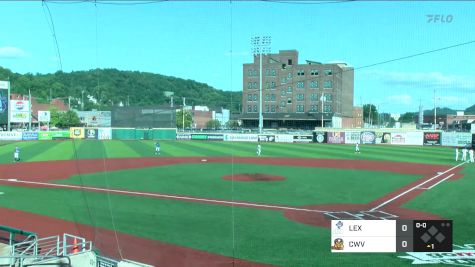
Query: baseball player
[
  {"x": 357, "y": 148},
  {"x": 157, "y": 148},
  {"x": 456, "y": 154},
  {"x": 259, "y": 150},
  {"x": 470, "y": 153},
  {"x": 16, "y": 154},
  {"x": 464, "y": 154}
]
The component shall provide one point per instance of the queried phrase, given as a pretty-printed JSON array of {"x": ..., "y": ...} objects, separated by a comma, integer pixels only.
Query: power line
[{"x": 53, "y": 32}]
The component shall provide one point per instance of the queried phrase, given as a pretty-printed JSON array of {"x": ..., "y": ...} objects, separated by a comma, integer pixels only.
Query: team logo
[
  {"x": 338, "y": 244},
  {"x": 320, "y": 138},
  {"x": 91, "y": 133},
  {"x": 19, "y": 105},
  {"x": 460, "y": 256},
  {"x": 368, "y": 137},
  {"x": 339, "y": 225},
  {"x": 77, "y": 132}
]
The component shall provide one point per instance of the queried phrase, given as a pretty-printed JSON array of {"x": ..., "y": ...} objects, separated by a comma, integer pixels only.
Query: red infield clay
[
  {"x": 253, "y": 177},
  {"x": 162, "y": 254},
  {"x": 152, "y": 252}
]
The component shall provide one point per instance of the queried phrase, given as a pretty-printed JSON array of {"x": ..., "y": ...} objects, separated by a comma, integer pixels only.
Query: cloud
[
  {"x": 11, "y": 52},
  {"x": 403, "y": 99},
  {"x": 432, "y": 80}
]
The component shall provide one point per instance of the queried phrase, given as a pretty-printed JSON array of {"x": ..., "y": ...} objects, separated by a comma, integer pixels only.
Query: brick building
[{"x": 293, "y": 93}]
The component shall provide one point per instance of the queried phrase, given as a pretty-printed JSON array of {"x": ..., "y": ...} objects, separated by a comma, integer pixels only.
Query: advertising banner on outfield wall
[
  {"x": 240, "y": 137},
  {"x": 336, "y": 137},
  {"x": 352, "y": 137},
  {"x": 10, "y": 136},
  {"x": 183, "y": 136},
  {"x": 407, "y": 138},
  {"x": 303, "y": 138},
  {"x": 266, "y": 138},
  {"x": 76, "y": 133},
  {"x": 368, "y": 137},
  {"x": 319, "y": 137},
  {"x": 456, "y": 139},
  {"x": 29, "y": 136},
  {"x": 53, "y": 135},
  {"x": 104, "y": 133},
  {"x": 91, "y": 134},
  {"x": 284, "y": 138},
  {"x": 398, "y": 138},
  {"x": 207, "y": 137},
  {"x": 432, "y": 138}
]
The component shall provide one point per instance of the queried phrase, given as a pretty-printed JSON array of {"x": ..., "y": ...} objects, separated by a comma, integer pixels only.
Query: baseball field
[{"x": 218, "y": 204}]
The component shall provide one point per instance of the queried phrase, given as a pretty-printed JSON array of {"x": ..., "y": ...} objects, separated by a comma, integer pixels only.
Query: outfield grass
[
  {"x": 82, "y": 149},
  {"x": 302, "y": 185}
]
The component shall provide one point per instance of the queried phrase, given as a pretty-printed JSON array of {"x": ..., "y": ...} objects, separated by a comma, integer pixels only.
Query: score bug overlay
[{"x": 391, "y": 236}]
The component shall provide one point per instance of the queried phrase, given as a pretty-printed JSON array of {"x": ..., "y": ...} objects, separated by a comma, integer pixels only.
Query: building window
[
  {"x": 254, "y": 97},
  {"x": 267, "y": 97},
  {"x": 272, "y": 85},
  {"x": 256, "y": 73},
  {"x": 282, "y": 103},
  {"x": 254, "y": 85},
  {"x": 300, "y": 108},
  {"x": 272, "y": 108},
  {"x": 267, "y": 85},
  {"x": 314, "y": 97},
  {"x": 249, "y": 108},
  {"x": 300, "y": 97},
  {"x": 249, "y": 85},
  {"x": 314, "y": 84},
  {"x": 273, "y": 72},
  {"x": 282, "y": 93},
  {"x": 289, "y": 89},
  {"x": 249, "y": 97},
  {"x": 249, "y": 72},
  {"x": 289, "y": 61},
  {"x": 283, "y": 80},
  {"x": 328, "y": 97},
  {"x": 267, "y": 72},
  {"x": 289, "y": 100},
  {"x": 289, "y": 75},
  {"x": 300, "y": 84},
  {"x": 313, "y": 108},
  {"x": 267, "y": 108},
  {"x": 255, "y": 108},
  {"x": 300, "y": 73},
  {"x": 328, "y": 72},
  {"x": 272, "y": 97},
  {"x": 327, "y": 84},
  {"x": 314, "y": 72},
  {"x": 327, "y": 108}
]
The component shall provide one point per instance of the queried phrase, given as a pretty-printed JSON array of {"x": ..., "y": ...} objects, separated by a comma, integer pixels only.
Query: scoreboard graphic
[{"x": 391, "y": 236}]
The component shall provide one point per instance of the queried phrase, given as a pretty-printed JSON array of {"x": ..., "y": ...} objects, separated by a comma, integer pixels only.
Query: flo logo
[{"x": 460, "y": 256}]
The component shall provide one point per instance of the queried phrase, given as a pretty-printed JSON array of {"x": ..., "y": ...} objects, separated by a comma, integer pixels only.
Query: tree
[
  {"x": 370, "y": 114},
  {"x": 179, "y": 119},
  {"x": 68, "y": 119},
  {"x": 213, "y": 124},
  {"x": 54, "y": 117},
  {"x": 232, "y": 124},
  {"x": 407, "y": 117}
]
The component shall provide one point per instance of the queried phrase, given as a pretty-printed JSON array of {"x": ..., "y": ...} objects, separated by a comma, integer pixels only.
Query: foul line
[
  {"x": 414, "y": 187},
  {"x": 432, "y": 186},
  {"x": 165, "y": 196}
]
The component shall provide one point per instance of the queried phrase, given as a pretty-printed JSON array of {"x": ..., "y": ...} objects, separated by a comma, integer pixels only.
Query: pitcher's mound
[{"x": 253, "y": 177}]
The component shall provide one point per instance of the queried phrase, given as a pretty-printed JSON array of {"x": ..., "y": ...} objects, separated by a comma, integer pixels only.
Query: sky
[{"x": 210, "y": 41}]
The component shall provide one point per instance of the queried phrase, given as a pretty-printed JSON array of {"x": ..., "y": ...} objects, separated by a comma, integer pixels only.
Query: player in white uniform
[
  {"x": 470, "y": 153},
  {"x": 259, "y": 150},
  {"x": 357, "y": 148},
  {"x": 157, "y": 148},
  {"x": 464, "y": 154},
  {"x": 16, "y": 154},
  {"x": 456, "y": 154}
]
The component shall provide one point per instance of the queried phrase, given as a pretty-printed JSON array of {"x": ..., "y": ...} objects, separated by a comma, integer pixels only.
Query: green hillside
[{"x": 111, "y": 86}]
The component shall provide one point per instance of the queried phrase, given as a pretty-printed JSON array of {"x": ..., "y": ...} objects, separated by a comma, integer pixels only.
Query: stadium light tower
[{"x": 260, "y": 45}]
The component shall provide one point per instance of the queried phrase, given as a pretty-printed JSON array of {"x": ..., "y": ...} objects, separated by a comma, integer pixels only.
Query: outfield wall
[{"x": 367, "y": 137}]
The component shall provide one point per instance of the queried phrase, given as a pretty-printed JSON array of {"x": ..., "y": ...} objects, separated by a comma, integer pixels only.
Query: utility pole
[
  {"x": 323, "y": 100},
  {"x": 435, "y": 113},
  {"x": 183, "y": 114},
  {"x": 261, "y": 45},
  {"x": 30, "y": 110},
  {"x": 82, "y": 100}
]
